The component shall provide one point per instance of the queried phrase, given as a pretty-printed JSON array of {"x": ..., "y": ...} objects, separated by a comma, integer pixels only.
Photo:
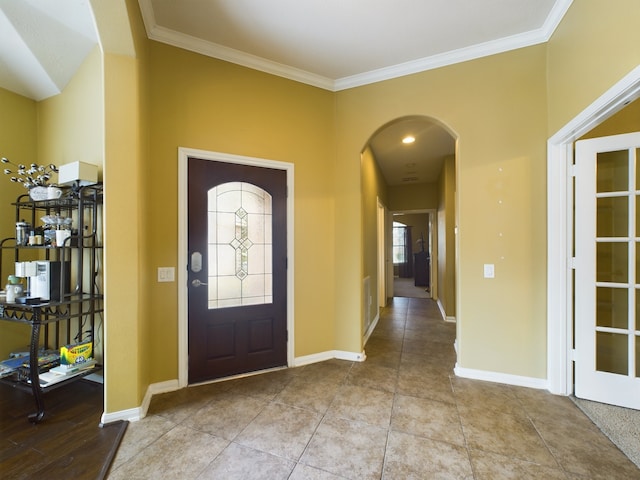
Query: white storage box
[{"x": 81, "y": 172}]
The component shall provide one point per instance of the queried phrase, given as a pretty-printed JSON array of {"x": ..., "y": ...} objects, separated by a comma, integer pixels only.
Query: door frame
[
  {"x": 560, "y": 354},
  {"x": 382, "y": 253},
  {"x": 183, "y": 189}
]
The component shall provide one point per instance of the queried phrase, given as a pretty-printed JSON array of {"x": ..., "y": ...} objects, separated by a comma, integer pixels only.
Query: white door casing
[{"x": 382, "y": 261}]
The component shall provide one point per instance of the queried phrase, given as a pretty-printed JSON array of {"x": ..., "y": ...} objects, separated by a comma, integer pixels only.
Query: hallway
[{"x": 400, "y": 414}]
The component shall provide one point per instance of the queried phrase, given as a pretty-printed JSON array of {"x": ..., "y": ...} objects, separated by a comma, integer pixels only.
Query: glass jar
[{"x": 22, "y": 235}]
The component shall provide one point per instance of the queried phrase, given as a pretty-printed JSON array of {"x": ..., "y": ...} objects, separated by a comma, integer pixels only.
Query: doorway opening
[
  {"x": 408, "y": 176},
  {"x": 413, "y": 243}
]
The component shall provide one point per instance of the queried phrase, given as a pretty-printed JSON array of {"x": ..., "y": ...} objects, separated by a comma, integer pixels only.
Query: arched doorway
[{"x": 408, "y": 166}]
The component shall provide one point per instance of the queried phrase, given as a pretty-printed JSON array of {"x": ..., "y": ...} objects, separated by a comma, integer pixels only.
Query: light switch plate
[
  {"x": 489, "y": 270},
  {"x": 166, "y": 274}
]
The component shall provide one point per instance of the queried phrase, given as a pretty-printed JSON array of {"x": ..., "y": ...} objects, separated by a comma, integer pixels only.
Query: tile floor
[{"x": 401, "y": 414}]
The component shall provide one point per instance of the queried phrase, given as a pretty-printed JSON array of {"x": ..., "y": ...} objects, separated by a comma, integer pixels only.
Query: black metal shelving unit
[{"x": 75, "y": 314}]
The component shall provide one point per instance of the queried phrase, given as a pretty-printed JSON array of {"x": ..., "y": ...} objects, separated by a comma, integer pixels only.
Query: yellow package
[{"x": 78, "y": 353}]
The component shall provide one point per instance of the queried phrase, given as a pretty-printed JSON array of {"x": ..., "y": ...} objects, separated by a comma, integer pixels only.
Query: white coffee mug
[
  {"x": 13, "y": 291},
  {"x": 61, "y": 236},
  {"x": 53, "y": 193}
]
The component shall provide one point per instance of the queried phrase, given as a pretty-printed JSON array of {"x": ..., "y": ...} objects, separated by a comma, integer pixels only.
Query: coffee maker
[{"x": 45, "y": 277}]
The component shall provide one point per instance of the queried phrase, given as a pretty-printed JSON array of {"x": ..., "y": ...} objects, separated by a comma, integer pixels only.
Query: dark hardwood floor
[{"x": 69, "y": 441}]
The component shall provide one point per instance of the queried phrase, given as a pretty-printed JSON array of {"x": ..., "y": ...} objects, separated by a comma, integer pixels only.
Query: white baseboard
[
  {"x": 162, "y": 387},
  {"x": 506, "y": 378},
  {"x": 444, "y": 314},
  {"x": 371, "y": 328},
  {"x": 138, "y": 413},
  {"x": 328, "y": 355},
  {"x": 351, "y": 356},
  {"x": 130, "y": 415}
]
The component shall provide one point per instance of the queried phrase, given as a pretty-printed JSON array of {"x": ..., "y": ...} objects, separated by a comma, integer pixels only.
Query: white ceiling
[
  {"x": 43, "y": 43},
  {"x": 330, "y": 44},
  {"x": 418, "y": 162}
]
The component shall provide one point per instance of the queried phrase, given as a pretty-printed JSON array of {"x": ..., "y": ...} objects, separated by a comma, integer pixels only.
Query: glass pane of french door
[{"x": 638, "y": 355}]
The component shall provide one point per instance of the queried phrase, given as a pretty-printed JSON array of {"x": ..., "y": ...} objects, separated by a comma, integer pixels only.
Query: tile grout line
[
  {"x": 315, "y": 430},
  {"x": 535, "y": 427},
  {"x": 467, "y": 448},
  {"x": 395, "y": 396}
]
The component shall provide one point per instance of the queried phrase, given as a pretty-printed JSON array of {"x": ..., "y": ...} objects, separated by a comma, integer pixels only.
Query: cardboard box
[
  {"x": 74, "y": 354},
  {"x": 81, "y": 172}
]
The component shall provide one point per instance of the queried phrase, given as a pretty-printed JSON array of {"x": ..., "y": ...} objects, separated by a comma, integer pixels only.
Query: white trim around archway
[{"x": 559, "y": 227}]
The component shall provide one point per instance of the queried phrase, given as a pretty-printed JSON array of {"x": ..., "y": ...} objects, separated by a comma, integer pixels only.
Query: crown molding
[
  {"x": 527, "y": 39},
  {"x": 440, "y": 60},
  {"x": 237, "y": 57},
  {"x": 555, "y": 17},
  {"x": 210, "y": 49}
]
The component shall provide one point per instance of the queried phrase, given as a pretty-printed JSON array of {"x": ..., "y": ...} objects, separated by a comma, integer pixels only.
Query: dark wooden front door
[{"x": 237, "y": 279}]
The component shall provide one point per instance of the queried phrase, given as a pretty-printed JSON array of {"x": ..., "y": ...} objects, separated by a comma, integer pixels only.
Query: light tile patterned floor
[{"x": 399, "y": 415}]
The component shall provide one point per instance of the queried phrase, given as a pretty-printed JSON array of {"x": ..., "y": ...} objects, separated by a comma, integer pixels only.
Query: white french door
[{"x": 607, "y": 277}]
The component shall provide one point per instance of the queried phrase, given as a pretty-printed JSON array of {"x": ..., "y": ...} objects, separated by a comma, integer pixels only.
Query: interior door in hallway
[
  {"x": 607, "y": 304},
  {"x": 237, "y": 291}
]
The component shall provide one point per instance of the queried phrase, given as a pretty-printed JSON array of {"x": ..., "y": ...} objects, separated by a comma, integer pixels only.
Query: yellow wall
[
  {"x": 127, "y": 340},
  {"x": 71, "y": 124},
  {"x": 419, "y": 228},
  {"x": 18, "y": 143},
  {"x": 374, "y": 187},
  {"x": 445, "y": 291},
  {"x": 126, "y": 364},
  {"x": 422, "y": 196},
  {"x": 596, "y": 44}
]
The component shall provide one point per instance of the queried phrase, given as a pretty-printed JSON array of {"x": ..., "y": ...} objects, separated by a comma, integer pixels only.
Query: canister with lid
[{"x": 22, "y": 232}]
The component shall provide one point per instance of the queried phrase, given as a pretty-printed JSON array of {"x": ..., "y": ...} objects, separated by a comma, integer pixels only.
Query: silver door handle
[{"x": 197, "y": 283}]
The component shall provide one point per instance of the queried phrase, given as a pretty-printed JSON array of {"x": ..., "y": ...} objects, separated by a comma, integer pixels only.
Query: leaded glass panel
[{"x": 239, "y": 245}]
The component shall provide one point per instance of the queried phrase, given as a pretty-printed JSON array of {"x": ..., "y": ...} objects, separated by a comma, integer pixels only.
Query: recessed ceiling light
[{"x": 408, "y": 139}]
